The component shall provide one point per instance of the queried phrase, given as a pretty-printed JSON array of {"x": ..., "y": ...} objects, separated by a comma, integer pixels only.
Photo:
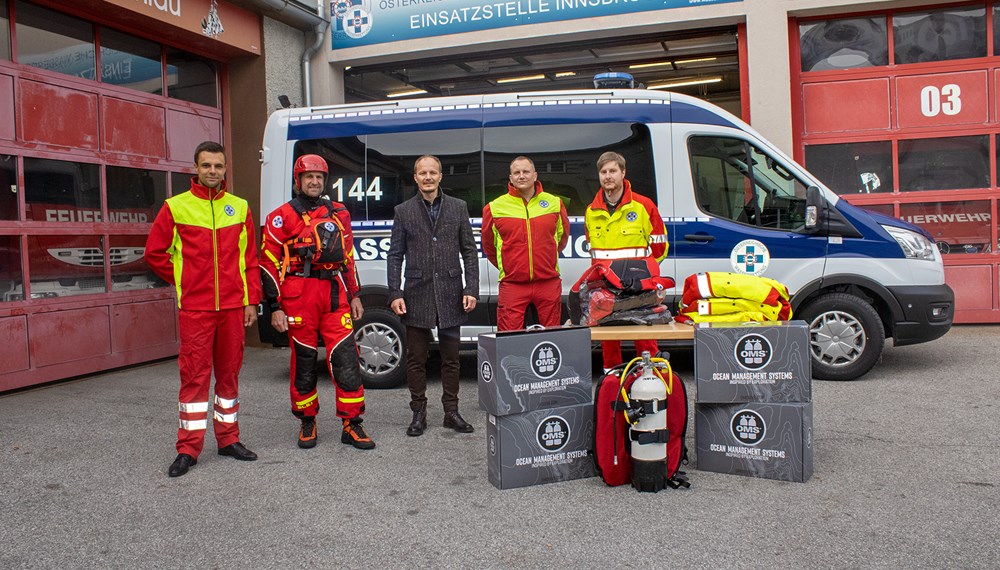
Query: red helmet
[{"x": 308, "y": 163}]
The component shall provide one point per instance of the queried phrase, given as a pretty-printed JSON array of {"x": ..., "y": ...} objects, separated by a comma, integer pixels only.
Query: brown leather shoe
[
  {"x": 454, "y": 421},
  {"x": 419, "y": 423}
]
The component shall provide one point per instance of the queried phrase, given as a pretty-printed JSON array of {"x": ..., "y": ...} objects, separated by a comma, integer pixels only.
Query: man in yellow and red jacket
[
  {"x": 311, "y": 284},
  {"x": 202, "y": 242},
  {"x": 523, "y": 232},
  {"x": 623, "y": 225}
]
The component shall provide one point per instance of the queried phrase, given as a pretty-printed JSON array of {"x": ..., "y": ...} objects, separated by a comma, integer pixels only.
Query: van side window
[
  {"x": 565, "y": 158},
  {"x": 735, "y": 180},
  {"x": 372, "y": 174}
]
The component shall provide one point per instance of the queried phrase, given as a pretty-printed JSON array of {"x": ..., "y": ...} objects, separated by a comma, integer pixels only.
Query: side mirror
[{"x": 815, "y": 204}]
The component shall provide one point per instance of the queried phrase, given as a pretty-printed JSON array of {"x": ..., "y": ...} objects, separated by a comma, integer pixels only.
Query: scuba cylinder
[{"x": 646, "y": 411}]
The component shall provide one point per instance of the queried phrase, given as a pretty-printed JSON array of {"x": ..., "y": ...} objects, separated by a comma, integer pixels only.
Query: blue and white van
[{"x": 731, "y": 201}]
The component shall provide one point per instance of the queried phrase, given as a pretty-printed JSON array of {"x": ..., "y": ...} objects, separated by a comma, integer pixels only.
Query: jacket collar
[
  {"x": 600, "y": 204},
  {"x": 517, "y": 194},
  {"x": 206, "y": 193}
]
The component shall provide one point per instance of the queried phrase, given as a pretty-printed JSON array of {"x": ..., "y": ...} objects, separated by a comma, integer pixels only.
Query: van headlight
[{"x": 914, "y": 245}]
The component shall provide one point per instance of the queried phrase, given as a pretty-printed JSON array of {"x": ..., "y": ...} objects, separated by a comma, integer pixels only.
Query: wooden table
[{"x": 669, "y": 331}]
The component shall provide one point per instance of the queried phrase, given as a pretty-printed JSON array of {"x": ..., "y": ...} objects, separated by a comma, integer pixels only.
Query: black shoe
[
  {"x": 307, "y": 435},
  {"x": 237, "y": 451},
  {"x": 355, "y": 435},
  {"x": 419, "y": 423},
  {"x": 181, "y": 465},
  {"x": 454, "y": 421}
]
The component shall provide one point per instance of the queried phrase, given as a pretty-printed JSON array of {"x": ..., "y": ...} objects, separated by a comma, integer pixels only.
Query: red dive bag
[{"x": 611, "y": 430}]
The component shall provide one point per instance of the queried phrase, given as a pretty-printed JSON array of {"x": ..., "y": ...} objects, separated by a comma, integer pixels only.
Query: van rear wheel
[
  {"x": 381, "y": 342},
  {"x": 846, "y": 336}
]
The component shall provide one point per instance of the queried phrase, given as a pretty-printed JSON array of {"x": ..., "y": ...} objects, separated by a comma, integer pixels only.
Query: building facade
[
  {"x": 891, "y": 103},
  {"x": 102, "y": 103}
]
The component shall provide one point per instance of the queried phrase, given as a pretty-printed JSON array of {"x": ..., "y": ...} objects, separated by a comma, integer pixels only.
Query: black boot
[
  {"x": 355, "y": 435},
  {"x": 238, "y": 451},
  {"x": 181, "y": 465},
  {"x": 307, "y": 433},
  {"x": 419, "y": 423},
  {"x": 455, "y": 421}
]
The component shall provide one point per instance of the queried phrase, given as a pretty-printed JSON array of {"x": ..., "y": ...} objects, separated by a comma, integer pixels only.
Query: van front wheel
[
  {"x": 381, "y": 342},
  {"x": 845, "y": 336}
]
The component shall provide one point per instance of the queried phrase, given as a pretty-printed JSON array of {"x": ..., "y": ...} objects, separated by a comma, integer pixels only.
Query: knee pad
[
  {"x": 344, "y": 363},
  {"x": 305, "y": 368}
]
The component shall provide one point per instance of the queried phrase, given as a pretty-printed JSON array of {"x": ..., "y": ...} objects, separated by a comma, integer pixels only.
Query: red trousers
[
  {"x": 612, "y": 351},
  {"x": 319, "y": 307},
  {"x": 209, "y": 340},
  {"x": 513, "y": 299}
]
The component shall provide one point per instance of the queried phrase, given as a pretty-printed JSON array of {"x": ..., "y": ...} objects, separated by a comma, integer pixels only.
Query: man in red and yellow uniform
[
  {"x": 623, "y": 225},
  {"x": 202, "y": 242},
  {"x": 523, "y": 232},
  {"x": 311, "y": 286}
]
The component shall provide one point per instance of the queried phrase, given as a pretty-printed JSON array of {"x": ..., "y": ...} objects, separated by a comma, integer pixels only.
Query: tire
[
  {"x": 381, "y": 342},
  {"x": 845, "y": 336}
]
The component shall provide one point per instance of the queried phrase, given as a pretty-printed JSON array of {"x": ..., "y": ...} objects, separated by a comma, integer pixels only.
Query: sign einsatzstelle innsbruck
[{"x": 365, "y": 22}]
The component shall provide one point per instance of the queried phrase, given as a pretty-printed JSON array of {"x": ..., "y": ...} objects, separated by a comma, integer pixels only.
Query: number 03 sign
[
  {"x": 936, "y": 100},
  {"x": 942, "y": 99}
]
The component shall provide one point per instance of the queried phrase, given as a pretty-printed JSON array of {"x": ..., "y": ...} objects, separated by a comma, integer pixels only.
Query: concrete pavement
[{"x": 906, "y": 475}]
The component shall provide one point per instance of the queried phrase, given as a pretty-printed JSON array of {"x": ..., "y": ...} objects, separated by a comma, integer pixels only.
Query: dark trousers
[{"x": 418, "y": 342}]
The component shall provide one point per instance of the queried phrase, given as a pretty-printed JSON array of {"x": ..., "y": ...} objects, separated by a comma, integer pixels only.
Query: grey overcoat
[{"x": 434, "y": 255}]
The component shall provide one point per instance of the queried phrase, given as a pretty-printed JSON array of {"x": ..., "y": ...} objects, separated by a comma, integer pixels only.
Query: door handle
[{"x": 701, "y": 238}]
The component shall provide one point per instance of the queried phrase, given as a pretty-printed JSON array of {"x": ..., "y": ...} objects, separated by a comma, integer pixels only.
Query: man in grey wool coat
[{"x": 432, "y": 232}]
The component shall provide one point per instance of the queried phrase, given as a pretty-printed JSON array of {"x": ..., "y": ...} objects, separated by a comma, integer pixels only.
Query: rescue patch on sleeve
[{"x": 277, "y": 222}]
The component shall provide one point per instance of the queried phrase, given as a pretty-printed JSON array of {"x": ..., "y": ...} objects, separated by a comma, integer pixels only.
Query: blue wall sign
[{"x": 366, "y": 22}]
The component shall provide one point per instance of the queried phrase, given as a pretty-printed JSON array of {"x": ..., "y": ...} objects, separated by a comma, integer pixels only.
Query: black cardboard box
[
  {"x": 772, "y": 441},
  {"x": 543, "y": 446},
  {"x": 521, "y": 371},
  {"x": 753, "y": 362}
]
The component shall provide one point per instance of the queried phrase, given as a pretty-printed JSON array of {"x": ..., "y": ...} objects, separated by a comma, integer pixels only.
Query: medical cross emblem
[
  {"x": 749, "y": 259},
  {"x": 357, "y": 22}
]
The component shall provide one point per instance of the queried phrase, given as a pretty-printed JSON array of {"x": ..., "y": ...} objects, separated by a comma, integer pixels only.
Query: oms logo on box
[
  {"x": 753, "y": 351},
  {"x": 552, "y": 433},
  {"x": 546, "y": 359},
  {"x": 748, "y": 427},
  {"x": 486, "y": 371}
]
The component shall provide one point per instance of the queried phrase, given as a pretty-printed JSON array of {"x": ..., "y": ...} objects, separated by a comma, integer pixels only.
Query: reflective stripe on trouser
[
  {"x": 209, "y": 339},
  {"x": 310, "y": 316},
  {"x": 513, "y": 299},
  {"x": 612, "y": 351}
]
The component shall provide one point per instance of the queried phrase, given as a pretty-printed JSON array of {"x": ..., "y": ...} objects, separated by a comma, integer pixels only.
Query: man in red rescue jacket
[
  {"x": 523, "y": 232},
  {"x": 311, "y": 286},
  {"x": 622, "y": 224},
  {"x": 202, "y": 242}
]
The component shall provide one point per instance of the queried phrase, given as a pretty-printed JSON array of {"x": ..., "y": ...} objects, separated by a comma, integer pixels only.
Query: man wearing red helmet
[{"x": 311, "y": 286}]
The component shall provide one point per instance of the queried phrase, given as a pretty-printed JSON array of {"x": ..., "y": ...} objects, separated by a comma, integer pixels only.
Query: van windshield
[{"x": 371, "y": 174}]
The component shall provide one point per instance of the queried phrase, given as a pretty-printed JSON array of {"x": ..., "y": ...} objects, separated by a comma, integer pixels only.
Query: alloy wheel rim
[
  {"x": 837, "y": 338},
  {"x": 379, "y": 349}
]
